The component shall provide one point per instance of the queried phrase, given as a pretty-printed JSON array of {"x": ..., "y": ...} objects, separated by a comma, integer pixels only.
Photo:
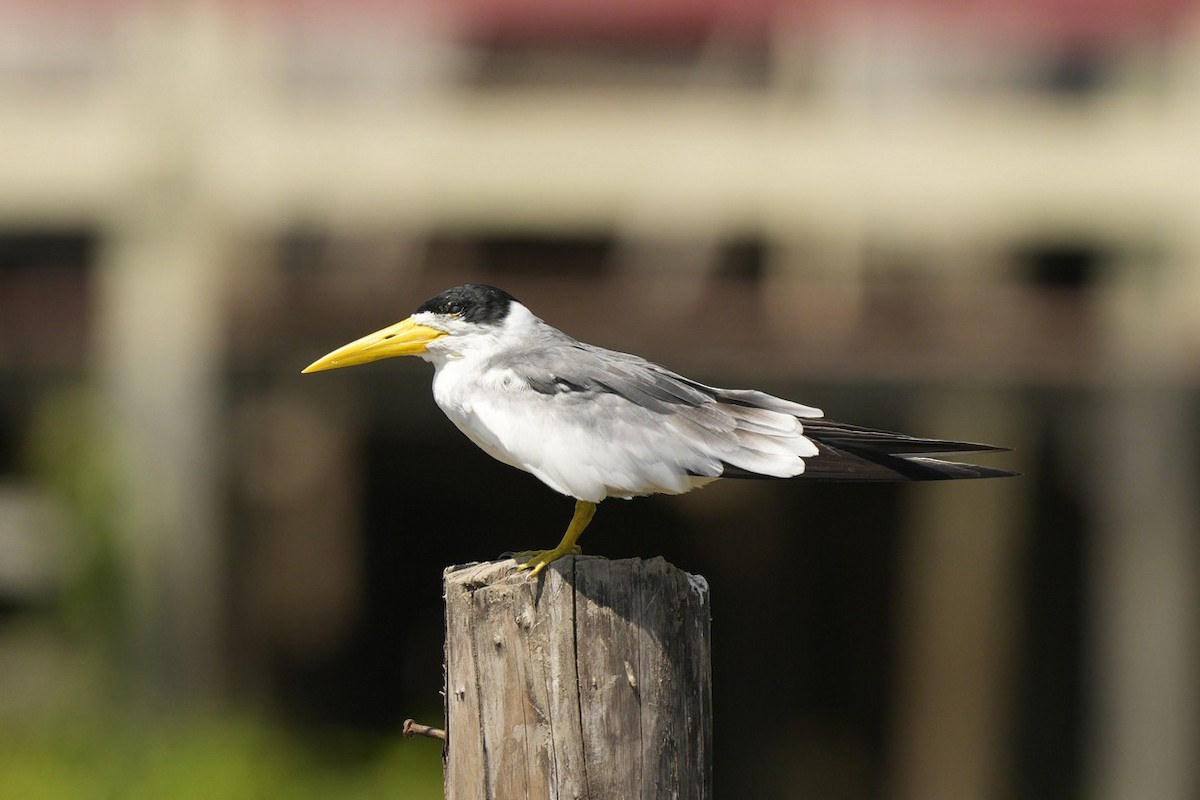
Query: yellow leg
[{"x": 538, "y": 559}]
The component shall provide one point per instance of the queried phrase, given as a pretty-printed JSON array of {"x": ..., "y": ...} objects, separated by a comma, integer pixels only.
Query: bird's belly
[
  {"x": 518, "y": 439},
  {"x": 485, "y": 440},
  {"x": 569, "y": 450}
]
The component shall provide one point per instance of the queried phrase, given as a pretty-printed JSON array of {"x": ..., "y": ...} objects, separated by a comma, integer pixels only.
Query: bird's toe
[{"x": 537, "y": 560}]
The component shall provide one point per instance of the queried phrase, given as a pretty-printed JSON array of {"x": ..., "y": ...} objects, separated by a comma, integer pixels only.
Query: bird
[{"x": 593, "y": 423}]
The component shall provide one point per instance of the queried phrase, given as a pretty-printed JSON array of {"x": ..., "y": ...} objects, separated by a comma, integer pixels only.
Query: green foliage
[
  {"x": 74, "y": 723},
  {"x": 72, "y": 454},
  {"x": 206, "y": 757}
]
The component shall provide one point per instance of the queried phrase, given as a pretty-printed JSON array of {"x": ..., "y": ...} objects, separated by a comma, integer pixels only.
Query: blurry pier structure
[{"x": 864, "y": 199}]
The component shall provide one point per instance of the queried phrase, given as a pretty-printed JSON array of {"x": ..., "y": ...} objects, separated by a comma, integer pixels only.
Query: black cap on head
[{"x": 473, "y": 302}]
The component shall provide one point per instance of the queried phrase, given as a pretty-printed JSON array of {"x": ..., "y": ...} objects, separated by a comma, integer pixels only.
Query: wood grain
[{"x": 592, "y": 682}]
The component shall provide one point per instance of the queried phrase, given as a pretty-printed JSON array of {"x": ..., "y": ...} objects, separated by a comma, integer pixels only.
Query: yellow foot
[{"x": 536, "y": 560}]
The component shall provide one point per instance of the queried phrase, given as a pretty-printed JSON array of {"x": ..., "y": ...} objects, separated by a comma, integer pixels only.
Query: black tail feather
[{"x": 852, "y": 453}]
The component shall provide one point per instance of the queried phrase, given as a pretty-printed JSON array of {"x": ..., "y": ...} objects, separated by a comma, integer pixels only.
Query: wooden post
[{"x": 593, "y": 681}]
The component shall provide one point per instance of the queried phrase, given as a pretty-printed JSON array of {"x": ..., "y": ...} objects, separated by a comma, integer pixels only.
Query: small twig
[{"x": 412, "y": 729}]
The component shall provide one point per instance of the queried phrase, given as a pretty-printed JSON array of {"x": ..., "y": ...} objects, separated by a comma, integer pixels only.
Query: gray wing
[
  {"x": 569, "y": 366},
  {"x": 737, "y": 433},
  {"x": 700, "y": 431}
]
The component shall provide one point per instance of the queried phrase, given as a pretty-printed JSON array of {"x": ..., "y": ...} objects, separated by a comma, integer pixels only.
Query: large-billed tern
[{"x": 593, "y": 423}]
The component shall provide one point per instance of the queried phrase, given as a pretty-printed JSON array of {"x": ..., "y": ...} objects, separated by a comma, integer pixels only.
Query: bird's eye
[{"x": 454, "y": 309}]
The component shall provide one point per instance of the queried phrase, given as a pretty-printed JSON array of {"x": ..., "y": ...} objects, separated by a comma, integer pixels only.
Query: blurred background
[{"x": 973, "y": 221}]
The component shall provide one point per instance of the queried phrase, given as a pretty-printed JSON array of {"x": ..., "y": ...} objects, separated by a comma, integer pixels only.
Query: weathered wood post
[{"x": 593, "y": 681}]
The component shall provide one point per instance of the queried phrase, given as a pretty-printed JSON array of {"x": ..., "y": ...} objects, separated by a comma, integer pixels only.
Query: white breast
[{"x": 459, "y": 389}]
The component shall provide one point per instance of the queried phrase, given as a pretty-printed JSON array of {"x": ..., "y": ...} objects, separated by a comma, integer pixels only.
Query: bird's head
[{"x": 457, "y": 312}]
